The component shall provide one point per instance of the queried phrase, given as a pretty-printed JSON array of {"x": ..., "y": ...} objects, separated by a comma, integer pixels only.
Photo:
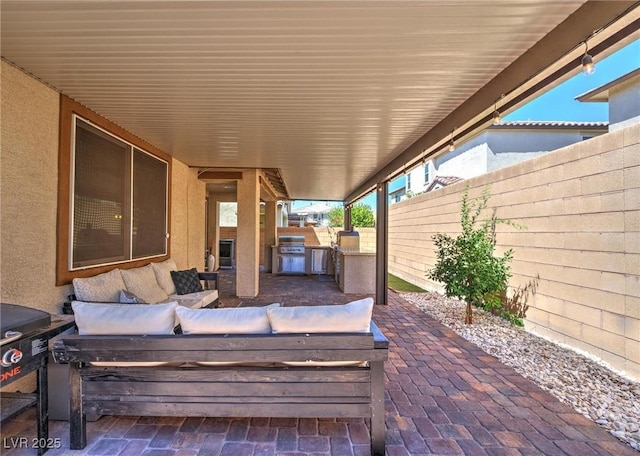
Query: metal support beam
[
  {"x": 382, "y": 242},
  {"x": 348, "y": 226}
]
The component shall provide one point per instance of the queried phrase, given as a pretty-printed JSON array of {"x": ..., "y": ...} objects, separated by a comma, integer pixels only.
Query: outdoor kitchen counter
[{"x": 356, "y": 270}]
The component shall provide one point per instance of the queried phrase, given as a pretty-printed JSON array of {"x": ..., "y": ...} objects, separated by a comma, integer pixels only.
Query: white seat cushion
[
  {"x": 142, "y": 283},
  {"x": 195, "y": 300}
]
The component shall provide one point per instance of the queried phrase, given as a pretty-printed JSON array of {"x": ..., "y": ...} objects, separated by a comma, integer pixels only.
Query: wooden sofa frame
[{"x": 230, "y": 390}]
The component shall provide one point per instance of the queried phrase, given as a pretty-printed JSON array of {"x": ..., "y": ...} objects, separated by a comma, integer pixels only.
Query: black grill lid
[{"x": 22, "y": 319}]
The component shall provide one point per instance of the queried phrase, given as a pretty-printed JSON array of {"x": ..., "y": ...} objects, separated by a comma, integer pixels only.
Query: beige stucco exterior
[
  {"x": 29, "y": 185},
  {"x": 188, "y": 200},
  {"x": 581, "y": 207},
  {"x": 28, "y": 202}
]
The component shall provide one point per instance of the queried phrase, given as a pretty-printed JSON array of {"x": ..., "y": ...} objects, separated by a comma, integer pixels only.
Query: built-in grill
[
  {"x": 291, "y": 255},
  {"x": 25, "y": 334},
  {"x": 291, "y": 244}
]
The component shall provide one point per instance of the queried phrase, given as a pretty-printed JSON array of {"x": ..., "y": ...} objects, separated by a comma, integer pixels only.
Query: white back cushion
[
  {"x": 101, "y": 288},
  {"x": 243, "y": 320},
  {"x": 352, "y": 317},
  {"x": 163, "y": 275},
  {"x": 142, "y": 283},
  {"x": 124, "y": 319}
]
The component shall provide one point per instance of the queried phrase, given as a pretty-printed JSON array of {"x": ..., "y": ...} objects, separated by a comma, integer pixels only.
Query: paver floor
[{"x": 443, "y": 396}]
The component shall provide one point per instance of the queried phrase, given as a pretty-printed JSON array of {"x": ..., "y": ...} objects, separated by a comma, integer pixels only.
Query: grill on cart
[{"x": 25, "y": 348}]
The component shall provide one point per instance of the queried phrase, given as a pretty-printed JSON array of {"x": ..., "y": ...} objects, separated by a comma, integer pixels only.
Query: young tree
[
  {"x": 362, "y": 216},
  {"x": 336, "y": 217},
  {"x": 467, "y": 265}
]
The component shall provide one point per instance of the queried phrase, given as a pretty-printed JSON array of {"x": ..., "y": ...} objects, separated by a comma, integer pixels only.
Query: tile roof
[{"x": 550, "y": 123}]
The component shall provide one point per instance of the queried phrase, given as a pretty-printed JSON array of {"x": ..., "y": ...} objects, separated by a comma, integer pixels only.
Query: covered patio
[
  {"x": 258, "y": 102},
  {"x": 443, "y": 396}
]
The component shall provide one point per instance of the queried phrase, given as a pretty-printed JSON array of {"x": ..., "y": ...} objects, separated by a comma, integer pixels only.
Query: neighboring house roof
[
  {"x": 442, "y": 181},
  {"x": 601, "y": 93},
  {"x": 398, "y": 191},
  {"x": 556, "y": 124}
]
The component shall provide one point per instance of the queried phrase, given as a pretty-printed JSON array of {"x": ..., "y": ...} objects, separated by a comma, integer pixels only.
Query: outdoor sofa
[
  {"x": 152, "y": 284},
  {"x": 305, "y": 361}
]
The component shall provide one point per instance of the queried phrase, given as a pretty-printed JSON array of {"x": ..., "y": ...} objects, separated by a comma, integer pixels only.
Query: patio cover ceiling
[{"x": 334, "y": 95}]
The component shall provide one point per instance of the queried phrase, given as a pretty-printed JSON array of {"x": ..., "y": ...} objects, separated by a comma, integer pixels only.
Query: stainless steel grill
[
  {"x": 291, "y": 255},
  {"x": 291, "y": 244}
]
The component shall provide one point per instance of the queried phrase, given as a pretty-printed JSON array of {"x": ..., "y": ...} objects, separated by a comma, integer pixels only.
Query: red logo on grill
[{"x": 12, "y": 356}]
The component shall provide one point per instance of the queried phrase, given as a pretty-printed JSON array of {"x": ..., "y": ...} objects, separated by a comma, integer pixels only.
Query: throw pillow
[
  {"x": 124, "y": 319},
  {"x": 142, "y": 283},
  {"x": 104, "y": 287},
  {"x": 163, "y": 275},
  {"x": 244, "y": 320},
  {"x": 352, "y": 317},
  {"x": 186, "y": 281},
  {"x": 127, "y": 297}
]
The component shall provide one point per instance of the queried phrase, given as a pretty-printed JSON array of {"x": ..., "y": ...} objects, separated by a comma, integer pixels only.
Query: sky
[{"x": 559, "y": 103}]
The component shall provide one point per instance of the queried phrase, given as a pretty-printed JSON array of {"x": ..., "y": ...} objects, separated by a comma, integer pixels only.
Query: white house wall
[
  {"x": 624, "y": 106},
  {"x": 510, "y": 147},
  {"x": 494, "y": 149},
  {"x": 465, "y": 162}
]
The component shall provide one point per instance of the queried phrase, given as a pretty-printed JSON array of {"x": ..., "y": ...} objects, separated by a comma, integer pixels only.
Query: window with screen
[{"x": 119, "y": 199}]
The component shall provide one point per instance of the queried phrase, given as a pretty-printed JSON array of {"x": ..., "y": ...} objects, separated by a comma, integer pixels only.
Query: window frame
[{"x": 69, "y": 110}]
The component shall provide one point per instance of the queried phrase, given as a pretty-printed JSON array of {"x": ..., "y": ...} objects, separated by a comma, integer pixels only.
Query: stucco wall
[
  {"x": 581, "y": 205},
  {"x": 29, "y": 188},
  {"x": 188, "y": 200}
]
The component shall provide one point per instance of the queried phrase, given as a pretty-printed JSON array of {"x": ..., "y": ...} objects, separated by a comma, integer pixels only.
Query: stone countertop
[{"x": 364, "y": 252}]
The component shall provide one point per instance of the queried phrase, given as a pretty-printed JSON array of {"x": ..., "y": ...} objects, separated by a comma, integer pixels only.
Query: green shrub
[{"x": 467, "y": 265}]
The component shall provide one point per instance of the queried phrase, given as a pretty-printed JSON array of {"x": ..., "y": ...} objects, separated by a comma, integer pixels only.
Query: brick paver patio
[{"x": 443, "y": 396}]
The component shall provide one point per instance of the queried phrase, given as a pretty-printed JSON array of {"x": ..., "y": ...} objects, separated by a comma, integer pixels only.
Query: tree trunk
[{"x": 468, "y": 319}]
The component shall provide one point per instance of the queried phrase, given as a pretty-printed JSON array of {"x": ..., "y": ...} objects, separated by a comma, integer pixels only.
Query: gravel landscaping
[{"x": 588, "y": 385}]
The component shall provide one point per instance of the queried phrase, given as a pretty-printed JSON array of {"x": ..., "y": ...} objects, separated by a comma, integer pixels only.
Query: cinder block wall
[{"x": 581, "y": 207}]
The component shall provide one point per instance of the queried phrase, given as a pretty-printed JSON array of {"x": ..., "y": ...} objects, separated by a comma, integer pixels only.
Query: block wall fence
[{"x": 581, "y": 207}]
